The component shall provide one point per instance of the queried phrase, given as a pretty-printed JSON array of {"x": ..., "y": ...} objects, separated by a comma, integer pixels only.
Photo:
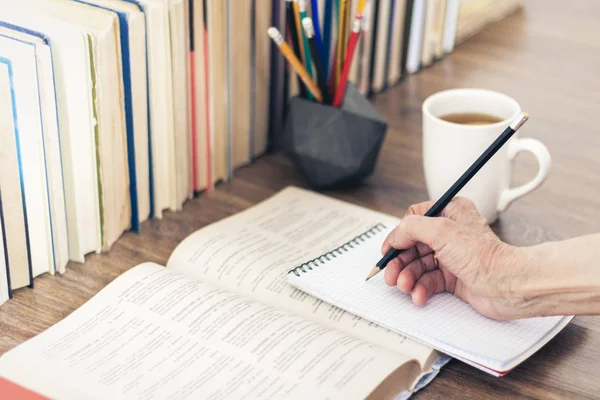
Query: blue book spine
[
  {"x": 150, "y": 165},
  {"x": 3, "y": 228},
  {"x": 53, "y": 248},
  {"x": 20, "y": 161},
  {"x": 47, "y": 41}
]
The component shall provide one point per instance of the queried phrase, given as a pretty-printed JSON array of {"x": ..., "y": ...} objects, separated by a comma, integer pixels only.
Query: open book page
[
  {"x": 156, "y": 333},
  {"x": 252, "y": 252}
]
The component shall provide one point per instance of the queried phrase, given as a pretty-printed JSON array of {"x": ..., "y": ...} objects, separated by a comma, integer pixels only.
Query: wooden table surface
[{"x": 547, "y": 56}]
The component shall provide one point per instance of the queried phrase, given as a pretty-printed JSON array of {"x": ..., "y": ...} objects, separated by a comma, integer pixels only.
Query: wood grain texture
[{"x": 552, "y": 72}]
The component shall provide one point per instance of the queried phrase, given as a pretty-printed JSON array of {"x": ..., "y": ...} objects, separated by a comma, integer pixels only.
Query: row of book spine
[{"x": 143, "y": 104}]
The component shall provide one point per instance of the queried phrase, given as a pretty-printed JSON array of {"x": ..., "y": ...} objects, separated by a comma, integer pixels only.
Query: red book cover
[{"x": 11, "y": 391}]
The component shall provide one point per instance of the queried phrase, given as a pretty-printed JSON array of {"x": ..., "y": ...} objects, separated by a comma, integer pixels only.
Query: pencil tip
[{"x": 373, "y": 272}]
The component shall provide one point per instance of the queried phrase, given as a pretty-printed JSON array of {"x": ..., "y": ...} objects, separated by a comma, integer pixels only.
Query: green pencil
[{"x": 307, "y": 53}]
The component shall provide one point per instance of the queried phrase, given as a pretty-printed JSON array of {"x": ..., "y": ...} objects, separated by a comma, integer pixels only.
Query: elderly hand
[{"x": 456, "y": 252}]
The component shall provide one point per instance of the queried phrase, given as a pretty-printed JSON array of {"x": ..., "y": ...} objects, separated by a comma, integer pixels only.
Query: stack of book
[
  {"x": 397, "y": 37},
  {"x": 114, "y": 111},
  {"x": 475, "y": 15}
]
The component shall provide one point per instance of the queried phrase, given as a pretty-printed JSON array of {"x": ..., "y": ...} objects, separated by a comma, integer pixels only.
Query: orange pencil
[
  {"x": 299, "y": 29},
  {"x": 296, "y": 64}
]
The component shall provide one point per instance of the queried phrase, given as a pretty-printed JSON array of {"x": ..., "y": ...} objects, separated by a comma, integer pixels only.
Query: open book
[{"x": 221, "y": 321}]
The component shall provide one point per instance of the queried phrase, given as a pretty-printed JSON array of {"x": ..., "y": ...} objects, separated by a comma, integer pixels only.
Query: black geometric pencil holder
[{"x": 330, "y": 146}]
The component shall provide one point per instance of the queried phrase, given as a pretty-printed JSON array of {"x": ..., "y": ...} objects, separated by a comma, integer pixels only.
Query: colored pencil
[
  {"x": 341, "y": 88},
  {"x": 298, "y": 28},
  {"x": 307, "y": 53},
  {"x": 327, "y": 22},
  {"x": 314, "y": 4},
  {"x": 365, "y": 61},
  {"x": 295, "y": 62},
  {"x": 360, "y": 8},
  {"x": 309, "y": 30},
  {"x": 347, "y": 24},
  {"x": 289, "y": 10},
  {"x": 339, "y": 58}
]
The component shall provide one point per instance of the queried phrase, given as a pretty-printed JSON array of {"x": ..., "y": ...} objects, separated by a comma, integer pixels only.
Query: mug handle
[{"x": 540, "y": 151}]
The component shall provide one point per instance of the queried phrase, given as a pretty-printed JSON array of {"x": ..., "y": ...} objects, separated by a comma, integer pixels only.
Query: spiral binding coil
[{"x": 322, "y": 259}]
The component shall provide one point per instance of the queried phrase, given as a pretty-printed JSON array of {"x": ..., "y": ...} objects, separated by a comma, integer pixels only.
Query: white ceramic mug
[{"x": 450, "y": 148}]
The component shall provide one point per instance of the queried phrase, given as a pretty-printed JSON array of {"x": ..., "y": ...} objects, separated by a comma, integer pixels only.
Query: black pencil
[
  {"x": 309, "y": 30},
  {"x": 458, "y": 185},
  {"x": 291, "y": 21}
]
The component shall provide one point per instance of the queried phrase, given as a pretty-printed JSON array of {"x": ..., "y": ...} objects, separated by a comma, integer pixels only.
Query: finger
[
  {"x": 433, "y": 232},
  {"x": 395, "y": 266},
  {"x": 423, "y": 249},
  {"x": 419, "y": 208},
  {"x": 460, "y": 209},
  {"x": 429, "y": 284},
  {"x": 386, "y": 246},
  {"x": 408, "y": 254},
  {"x": 390, "y": 274},
  {"x": 410, "y": 275},
  {"x": 414, "y": 253}
]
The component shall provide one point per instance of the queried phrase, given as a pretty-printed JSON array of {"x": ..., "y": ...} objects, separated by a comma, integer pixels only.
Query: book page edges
[
  {"x": 13, "y": 365},
  {"x": 401, "y": 380}
]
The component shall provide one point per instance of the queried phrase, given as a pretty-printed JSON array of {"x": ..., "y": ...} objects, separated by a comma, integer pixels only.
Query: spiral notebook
[{"x": 445, "y": 322}]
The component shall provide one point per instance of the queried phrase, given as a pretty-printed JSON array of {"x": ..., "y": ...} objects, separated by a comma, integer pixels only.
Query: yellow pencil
[
  {"x": 341, "y": 41},
  {"x": 360, "y": 7},
  {"x": 296, "y": 64},
  {"x": 347, "y": 24},
  {"x": 299, "y": 31}
]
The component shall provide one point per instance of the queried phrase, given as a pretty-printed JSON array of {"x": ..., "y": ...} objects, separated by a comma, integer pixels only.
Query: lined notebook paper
[{"x": 444, "y": 322}]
